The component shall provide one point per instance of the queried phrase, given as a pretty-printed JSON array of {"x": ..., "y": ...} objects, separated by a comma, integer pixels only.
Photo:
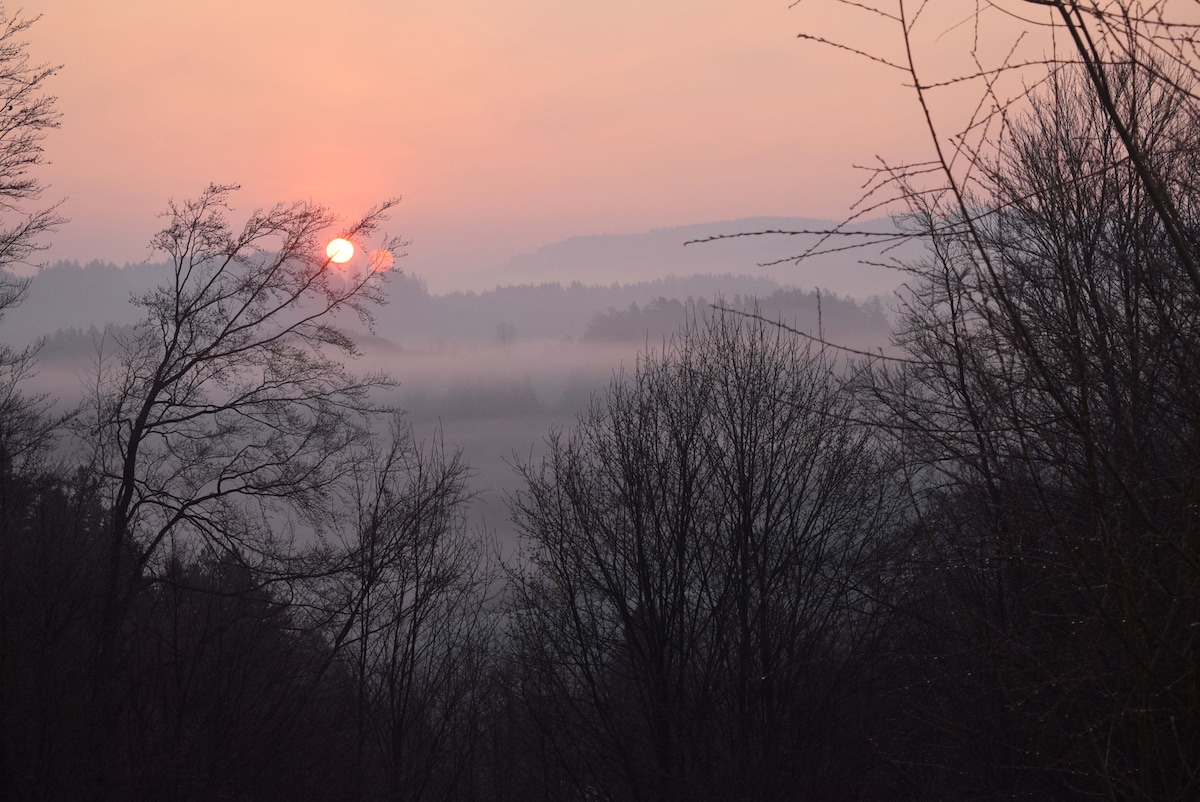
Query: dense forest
[{"x": 759, "y": 566}]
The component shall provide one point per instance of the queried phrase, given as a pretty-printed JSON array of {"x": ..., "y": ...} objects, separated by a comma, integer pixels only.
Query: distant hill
[
  {"x": 530, "y": 311},
  {"x": 68, "y": 295},
  {"x": 553, "y": 292},
  {"x": 603, "y": 259},
  {"x": 70, "y": 304},
  {"x": 71, "y": 297}
]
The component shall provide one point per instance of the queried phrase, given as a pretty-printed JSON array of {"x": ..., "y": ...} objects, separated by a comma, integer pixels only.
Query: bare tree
[
  {"x": 228, "y": 414},
  {"x": 411, "y": 620},
  {"x": 1048, "y": 414},
  {"x": 1043, "y": 403},
  {"x": 698, "y": 551},
  {"x": 26, "y": 113},
  {"x": 36, "y": 508}
]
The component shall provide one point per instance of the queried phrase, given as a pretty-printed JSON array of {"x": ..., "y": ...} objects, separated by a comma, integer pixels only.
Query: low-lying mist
[{"x": 491, "y": 373}]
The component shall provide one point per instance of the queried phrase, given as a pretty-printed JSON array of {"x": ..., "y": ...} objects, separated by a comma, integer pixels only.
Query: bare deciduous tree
[
  {"x": 1048, "y": 397},
  {"x": 229, "y": 412},
  {"x": 26, "y": 113},
  {"x": 694, "y": 603},
  {"x": 410, "y": 618}
]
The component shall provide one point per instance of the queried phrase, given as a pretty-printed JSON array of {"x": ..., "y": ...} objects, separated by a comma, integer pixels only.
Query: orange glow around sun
[
  {"x": 340, "y": 250},
  {"x": 381, "y": 260}
]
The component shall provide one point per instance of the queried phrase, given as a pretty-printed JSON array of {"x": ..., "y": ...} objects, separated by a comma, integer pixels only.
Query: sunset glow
[
  {"x": 340, "y": 251},
  {"x": 479, "y": 115},
  {"x": 381, "y": 260}
]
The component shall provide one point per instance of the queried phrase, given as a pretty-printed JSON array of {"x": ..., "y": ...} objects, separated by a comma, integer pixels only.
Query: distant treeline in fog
[{"x": 72, "y": 299}]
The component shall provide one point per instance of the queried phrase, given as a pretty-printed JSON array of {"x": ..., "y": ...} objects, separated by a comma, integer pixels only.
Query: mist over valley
[{"x": 493, "y": 371}]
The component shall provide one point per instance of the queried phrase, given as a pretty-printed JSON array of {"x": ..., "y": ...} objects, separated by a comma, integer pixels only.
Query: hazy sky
[{"x": 504, "y": 124}]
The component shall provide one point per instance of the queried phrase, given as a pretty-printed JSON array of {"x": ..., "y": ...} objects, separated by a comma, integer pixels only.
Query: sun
[{"x": 340, "y": 250}]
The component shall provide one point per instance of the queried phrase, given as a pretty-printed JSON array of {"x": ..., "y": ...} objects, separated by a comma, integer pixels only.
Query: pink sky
[{"x": 504, "y": 125}]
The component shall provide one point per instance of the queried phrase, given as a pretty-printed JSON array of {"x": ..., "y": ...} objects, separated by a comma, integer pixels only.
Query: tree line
[
  {"x": 93, "y": 296},
  {"x": 757, "y": 567}
]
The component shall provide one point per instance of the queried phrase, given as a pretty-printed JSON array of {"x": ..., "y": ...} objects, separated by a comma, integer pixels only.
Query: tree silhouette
[
  {"x": 228, "y": 411},
  {"x": 699, "y": 550},
  {"x": 26, "y": 113},
  {"x": 1047, "y": 416}
]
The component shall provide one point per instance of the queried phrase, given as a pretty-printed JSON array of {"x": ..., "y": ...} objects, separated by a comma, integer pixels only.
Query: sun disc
[{"x": 340, "y": 250}]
